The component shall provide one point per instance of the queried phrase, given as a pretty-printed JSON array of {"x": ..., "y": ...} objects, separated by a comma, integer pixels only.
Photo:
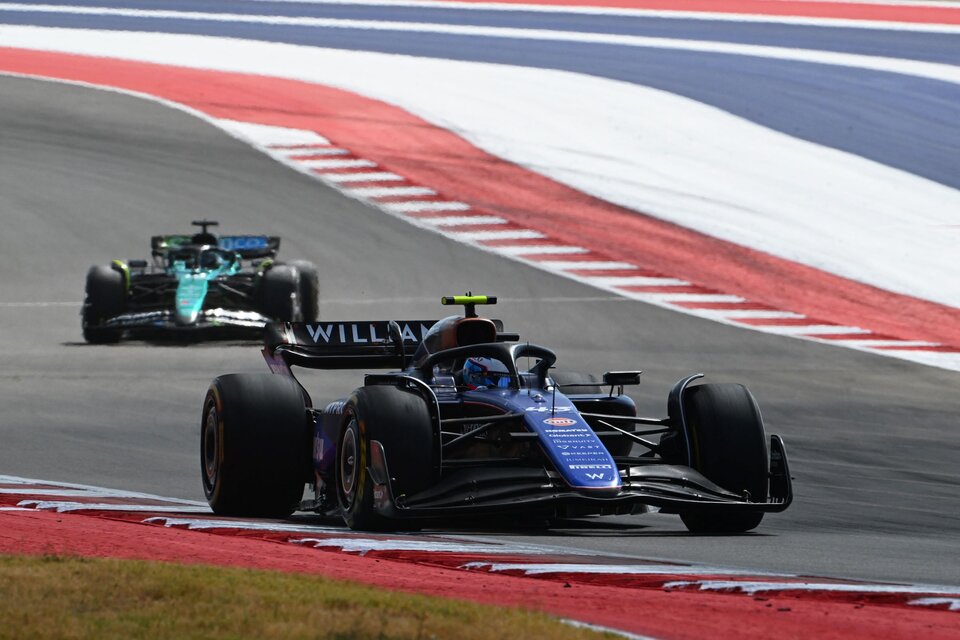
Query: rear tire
[
  {"x": 105, "y": 294},
  {"x": 400, "y": 421},
  {"x": 729, "y": 447},
  {"x": 309, "y": 289},
  {"x": 254, "y": 445},
  {"x": 280, "y": 294}
]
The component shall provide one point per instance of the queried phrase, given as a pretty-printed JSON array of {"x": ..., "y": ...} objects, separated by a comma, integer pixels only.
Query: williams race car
[
  {"x": 462, "y": 429},
  {"x": 199, "y": 282}
]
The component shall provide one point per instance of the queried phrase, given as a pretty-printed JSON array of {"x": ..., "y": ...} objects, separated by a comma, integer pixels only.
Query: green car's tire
[
  {"x": 104, "y": 298},
  {"x": 280, "y": 293},
  {"x": 309, "y": 288}
]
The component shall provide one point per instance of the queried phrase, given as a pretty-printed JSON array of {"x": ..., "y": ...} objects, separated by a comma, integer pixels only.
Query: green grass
[{"x": 68, "y": 597}]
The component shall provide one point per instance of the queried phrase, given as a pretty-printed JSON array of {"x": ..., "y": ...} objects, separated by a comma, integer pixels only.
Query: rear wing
[
  {"x": 362, "y": 344},
  {"x": 248, "y": 247}
]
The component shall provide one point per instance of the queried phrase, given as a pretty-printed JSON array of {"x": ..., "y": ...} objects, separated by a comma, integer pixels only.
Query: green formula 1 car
[{"x": 202, "y": 284}]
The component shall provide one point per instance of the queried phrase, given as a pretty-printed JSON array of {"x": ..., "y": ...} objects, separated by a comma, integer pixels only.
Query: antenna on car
[{"x": 469, "y": 302}]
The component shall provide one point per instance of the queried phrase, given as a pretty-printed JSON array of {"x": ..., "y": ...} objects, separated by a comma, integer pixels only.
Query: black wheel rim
[
  {"x": 209, "y": 444},
  {"x": 349, "y": 449}
]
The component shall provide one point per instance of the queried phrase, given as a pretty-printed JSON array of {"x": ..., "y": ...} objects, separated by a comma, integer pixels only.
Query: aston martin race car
[
  {"x": 200, "y": 282},
  {"x": 462, "y": 429}
]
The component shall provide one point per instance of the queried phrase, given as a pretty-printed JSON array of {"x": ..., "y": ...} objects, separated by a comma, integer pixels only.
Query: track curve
[{"x": 87, "y": 175}]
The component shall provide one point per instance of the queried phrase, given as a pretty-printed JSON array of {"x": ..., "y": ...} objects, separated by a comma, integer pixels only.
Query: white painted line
[
  {"x": 807, "y": 330},
  {"x": 741, "y": 314},
  {"x": 297, "y": 155},
  {"x": 336, "y": 164},
  {"x": 751, "y": 588},
  {"x": 385, "y": 192},
  {"x": 721, "y": 16},
  {"x": 536, "y": 249},
  {"x": 62, "y": 507},
  {"x": 456, "y": 221},
  {"x": 364, "y": 545},
  {"x": 684, "y": 297},
  {"x": 414, "y": 206},
  {"x": 641, "y": 281},
  {"x": 15, "y": 509},
  {"x": 373, "y": 176},
  {"x": 519, "y": 234},
  {"x": 576, "y": 624},
  {"x": 884, "y": 343},
  {"x": 560, "y": 265},
  {"x": 953, "y": 604},
  {"x": 39, "y": 304},
  {"x": 205, "y": 524},
  {"x": 266, "y": 135},
  {"x": 114, "y": 492},
  {"x": 532, "y": 569}
]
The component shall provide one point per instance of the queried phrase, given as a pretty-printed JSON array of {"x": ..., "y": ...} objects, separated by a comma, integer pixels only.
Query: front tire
[
  {"x": 729, "y": 447},
  {"x": 104, "y": 299},
  {"x": 400, "y": 421},
  {"x": 254, "y": 445}
]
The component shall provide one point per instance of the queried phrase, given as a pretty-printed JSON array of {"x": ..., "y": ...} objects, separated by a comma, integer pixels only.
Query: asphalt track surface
[{"x": 87, "y": 175}]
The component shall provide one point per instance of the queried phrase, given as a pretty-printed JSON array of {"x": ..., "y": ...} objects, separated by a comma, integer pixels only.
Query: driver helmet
[
  {"x": 485, "y": 372},
  {"x": 211, "y": 260}
]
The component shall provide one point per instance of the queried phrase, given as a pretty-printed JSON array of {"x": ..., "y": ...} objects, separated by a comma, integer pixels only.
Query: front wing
[{"x": 498, "y": 490}]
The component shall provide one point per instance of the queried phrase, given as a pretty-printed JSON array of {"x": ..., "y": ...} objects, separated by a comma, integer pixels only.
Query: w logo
[{"x": 596, "y": 476}]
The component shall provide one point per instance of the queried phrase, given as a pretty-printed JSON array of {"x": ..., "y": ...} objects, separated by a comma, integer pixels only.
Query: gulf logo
[{"x": 560, "y": 422}]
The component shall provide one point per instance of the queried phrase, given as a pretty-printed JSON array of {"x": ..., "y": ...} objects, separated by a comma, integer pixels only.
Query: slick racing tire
[
  {"x": 400, "y": 421},
  {"x": 618, "y": 448},
  {"x": 280, "y": 294},
  {"x": 104, "y": 299},
  {"x": 729, "y": 447},
  {"x": 254, "y": 445},
  {"x": 309, "y": 289}
]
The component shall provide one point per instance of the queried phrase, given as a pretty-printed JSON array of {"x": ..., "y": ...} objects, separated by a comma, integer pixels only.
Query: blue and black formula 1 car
[
  {"x": 462, "y": 429},
  {"x": 199, "y": 283}
]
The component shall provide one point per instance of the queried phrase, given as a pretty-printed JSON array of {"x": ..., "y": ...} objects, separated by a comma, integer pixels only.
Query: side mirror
[{"x": 137, "y": 264}]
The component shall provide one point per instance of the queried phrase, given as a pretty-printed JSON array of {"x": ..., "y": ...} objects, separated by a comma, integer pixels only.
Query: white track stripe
[
  {"x": 641, "y": 281},
  {"x": 295, "y": 154},
  {"x": 741, "y": 314},
  {"x": 808, "y": 330},
  {"x": 598, "y": 265},
  {"x": 364, "y": 545},
  {"x": 456, "y": 221},
  {"x": 335, "y": 164},
  {"x": 519, "y": 234},
  {"x": 374, "y": 176},
  {"x": 532, "y": 569},
  {"x": 415, "y": 206},
  {"x": 751, "y": 588},
  {"x": 267, "y": 135},
  {"x": 685, "y": 297},
  {"x": 535, "y": 249},
  {"x": 866, "y": 342},
  {"x": 385, "y": 192},
  {"x": 62, "y": 506}
]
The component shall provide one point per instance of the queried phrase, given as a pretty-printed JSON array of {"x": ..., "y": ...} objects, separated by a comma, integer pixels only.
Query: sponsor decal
[
  {"x": 239, "y": 243},
  {"x": 560, "y": 422},
  {"x": 545, "y": 409},
  {"x": 363, "y": 332},
  {"x": 596, "y": 476}
]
